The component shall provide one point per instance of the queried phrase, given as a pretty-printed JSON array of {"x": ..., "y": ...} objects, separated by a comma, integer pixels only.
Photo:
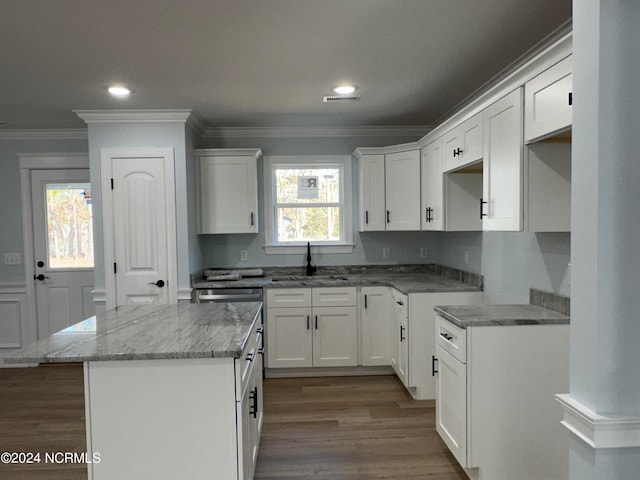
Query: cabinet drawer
[
  {"x": 400, "y": 303},
  {"x": 334, "y": 297},
  {"x": 288, "y": 297},
  {"x": 451, "y": 338}
]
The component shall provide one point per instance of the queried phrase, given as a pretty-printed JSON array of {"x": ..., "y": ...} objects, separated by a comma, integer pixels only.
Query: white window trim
[{"x": 346, "y": 246}]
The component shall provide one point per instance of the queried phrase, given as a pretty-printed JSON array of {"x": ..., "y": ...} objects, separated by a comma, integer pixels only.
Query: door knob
[
  {"x": 40, "y": 277},
  {"x": 159, "y": 283}
]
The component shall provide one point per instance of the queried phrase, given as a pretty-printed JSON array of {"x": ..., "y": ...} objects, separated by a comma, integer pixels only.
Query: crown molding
[
  {"x": 315, "y": 132},
  {"x": 135, "y": 116},
  {"x": 228, "y": 152},
  {"x": 44, "y": 134}
]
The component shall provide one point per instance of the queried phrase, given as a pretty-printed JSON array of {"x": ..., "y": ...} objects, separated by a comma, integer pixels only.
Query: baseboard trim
[
  {"x": 326, "y": 372},
  {"x": 599, "y": 431}
]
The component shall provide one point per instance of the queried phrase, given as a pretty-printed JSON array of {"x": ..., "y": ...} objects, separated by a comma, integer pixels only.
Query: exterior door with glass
[{"x": 63, "y": 247}]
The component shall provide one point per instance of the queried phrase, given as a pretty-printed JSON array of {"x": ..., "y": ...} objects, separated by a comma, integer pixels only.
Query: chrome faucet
[{"x": 310, "y": 268}]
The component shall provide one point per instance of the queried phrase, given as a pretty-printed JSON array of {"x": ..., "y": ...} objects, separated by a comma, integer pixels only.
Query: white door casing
[{"x": 139, "y": 223}]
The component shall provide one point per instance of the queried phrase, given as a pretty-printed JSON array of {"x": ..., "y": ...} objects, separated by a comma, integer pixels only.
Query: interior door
[
  {"x": 63, "y": 247},
  {"x": 142, "y": 224}
]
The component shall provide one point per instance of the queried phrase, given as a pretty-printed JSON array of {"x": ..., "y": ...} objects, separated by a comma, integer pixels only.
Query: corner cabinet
[
  {"x": 228, "y": 190},
  {"x": 389, "y": 191}
]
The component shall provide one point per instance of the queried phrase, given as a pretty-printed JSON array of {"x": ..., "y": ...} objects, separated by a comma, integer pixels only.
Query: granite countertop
[
  {"x": 149, "y": 333},
  {"x": 465, "y": 316},
  {"x": 406, "y": 279}
]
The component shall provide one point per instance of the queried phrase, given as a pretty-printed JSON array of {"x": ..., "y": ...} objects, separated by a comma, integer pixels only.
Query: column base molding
[{"x": 599, "y": 431}]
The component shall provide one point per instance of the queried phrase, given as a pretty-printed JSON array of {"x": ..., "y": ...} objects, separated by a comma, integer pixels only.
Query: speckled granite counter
[
  {"x": 465, "y": 316},
  {"x": 149, "y": 332},
  {"x": 405, "y": 278}
]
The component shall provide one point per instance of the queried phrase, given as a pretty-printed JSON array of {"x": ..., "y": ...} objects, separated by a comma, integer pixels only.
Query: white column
[{"x": 603, "y": 407}]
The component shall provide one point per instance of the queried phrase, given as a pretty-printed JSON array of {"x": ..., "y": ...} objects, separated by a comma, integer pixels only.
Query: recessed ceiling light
[
  {"x": 119, "y": 90},
  {"x": 344, "y": 89}
]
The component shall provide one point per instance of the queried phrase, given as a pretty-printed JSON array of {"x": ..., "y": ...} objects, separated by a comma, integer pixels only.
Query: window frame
[{"x": 271, "y": 162}]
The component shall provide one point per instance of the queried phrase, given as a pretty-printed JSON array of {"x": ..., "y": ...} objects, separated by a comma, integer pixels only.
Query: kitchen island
[{"x": 171, "y": 391}]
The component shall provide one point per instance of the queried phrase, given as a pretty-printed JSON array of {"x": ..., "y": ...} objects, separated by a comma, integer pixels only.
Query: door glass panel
[{"x": 69, "y": 225}]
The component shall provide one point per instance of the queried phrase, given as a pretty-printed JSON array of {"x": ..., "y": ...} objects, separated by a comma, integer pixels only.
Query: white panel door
[
  {"x": 451, "y": 403},
  {"x": 63, "y": 248},
  {"x": 141, "y": 196},
  {"x": 372, "y": 201},
  {"x": 402, "y": 190},
  {"x": 335, "y": 337},
  {"x": 502, "y": 164},
  {"x": 432, "y": 192},
  {"x": 289, "y": 337}
]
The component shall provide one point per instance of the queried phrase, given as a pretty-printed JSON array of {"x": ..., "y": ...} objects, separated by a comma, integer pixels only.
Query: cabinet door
[
  {"x": 335, "y": 337},
  {"x": 402, "y": 189},
  {"x": 372, "y": 198},
  {"x": 548, "y": 102},
  {"x": 463, "y": 144},
  {"x": 289, "y": 337},
  {"x": 228, "y": 194},
  {"x": 502, "y": 164},
  {"x": 451, "y": 403},
  {"x": 432, "y": 181},
  {"x": 376, "y": 318},
  {"x": 403, "y": 350}
]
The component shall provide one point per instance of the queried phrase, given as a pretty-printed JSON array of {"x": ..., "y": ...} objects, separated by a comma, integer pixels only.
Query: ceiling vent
[{"x": 340, "y": 98}]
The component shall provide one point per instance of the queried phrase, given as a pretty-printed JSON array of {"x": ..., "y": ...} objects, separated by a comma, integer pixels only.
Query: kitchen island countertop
[{"x": 149, "y": 332}]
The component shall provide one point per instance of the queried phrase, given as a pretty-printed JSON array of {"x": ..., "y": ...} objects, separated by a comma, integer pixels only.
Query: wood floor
[{"x": 338, "y": 428}]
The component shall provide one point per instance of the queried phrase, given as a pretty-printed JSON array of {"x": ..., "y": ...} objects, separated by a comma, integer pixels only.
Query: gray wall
[
  {"x": 511, "y": 262},
  {"x": 10, "y": 209}
]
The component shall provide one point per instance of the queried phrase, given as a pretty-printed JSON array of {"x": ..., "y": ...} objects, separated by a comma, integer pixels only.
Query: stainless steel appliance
[{"x": 219, "y": 295}]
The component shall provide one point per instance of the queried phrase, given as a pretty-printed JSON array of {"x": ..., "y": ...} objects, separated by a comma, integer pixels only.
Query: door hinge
[
  {"x": 112, "y": 184},
  {"x": 115, "y": 268}
]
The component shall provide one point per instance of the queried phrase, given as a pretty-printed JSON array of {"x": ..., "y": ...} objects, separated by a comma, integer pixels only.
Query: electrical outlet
[
  {"x": 386, "y": 252},
  {"x": 466, "y": 257},
  {"x": 423, "y": 252},
  {"x": 12, "y": 259},
  {"x": 244, "y": 255}
]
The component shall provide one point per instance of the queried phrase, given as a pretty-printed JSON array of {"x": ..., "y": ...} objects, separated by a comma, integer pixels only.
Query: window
[{"x": 306, "y": 201}]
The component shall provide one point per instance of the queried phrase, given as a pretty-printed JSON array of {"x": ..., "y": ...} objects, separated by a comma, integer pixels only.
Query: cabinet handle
[
  {"x": 365, "y": 301},
  {"x": 259, "y": 331},
  {"x": 446, "y": 337},
  {"x": 388, "y": 216},
  {"x": 402, "y": 333},
  {"x": 433, "y": 365},
  {"x": 457, "y": 152},
  {"x": 570, "y": 98},
  {"x": 400, "y": 302},
  {"x": 251, "y": 219},
  {"x": 261, "y": 351},
  {"x": 426, "y": 214},
  {"x": 316, "y": 322},
  {"x": 253, "y": 408},
  {"x": 308, "y": 322},
  {"x": 482, "y": 214},
  {"x": 366, "y": 217},
  {"x": 251, "y": 356}
]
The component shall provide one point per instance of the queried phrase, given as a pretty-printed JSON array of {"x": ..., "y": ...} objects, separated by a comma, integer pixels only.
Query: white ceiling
[{"x": 260, "y": 63}]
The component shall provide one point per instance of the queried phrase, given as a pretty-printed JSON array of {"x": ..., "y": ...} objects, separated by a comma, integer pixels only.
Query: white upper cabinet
[
  {"x": 402, "y": 189},
  {"x": 501, "y": 204},
  {"x": 228, "y": 190},
  {"x": 548, "y": 100},
  {"x": 372, "y": 201},
  {"x": 432, "y": 211},
  {"x": 463, "y": 144}
]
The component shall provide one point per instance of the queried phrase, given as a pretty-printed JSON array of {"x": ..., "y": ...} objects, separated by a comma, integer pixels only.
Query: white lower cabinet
[
  {"x": 495, "y": 404},
  {"x": 400, "y": 331},
  {"x": 375, "y": 314},
  {"x": 322, "y": 333}
]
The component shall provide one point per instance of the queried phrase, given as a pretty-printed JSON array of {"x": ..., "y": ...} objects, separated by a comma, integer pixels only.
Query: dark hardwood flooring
[{"x": 336, "y": 428}]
